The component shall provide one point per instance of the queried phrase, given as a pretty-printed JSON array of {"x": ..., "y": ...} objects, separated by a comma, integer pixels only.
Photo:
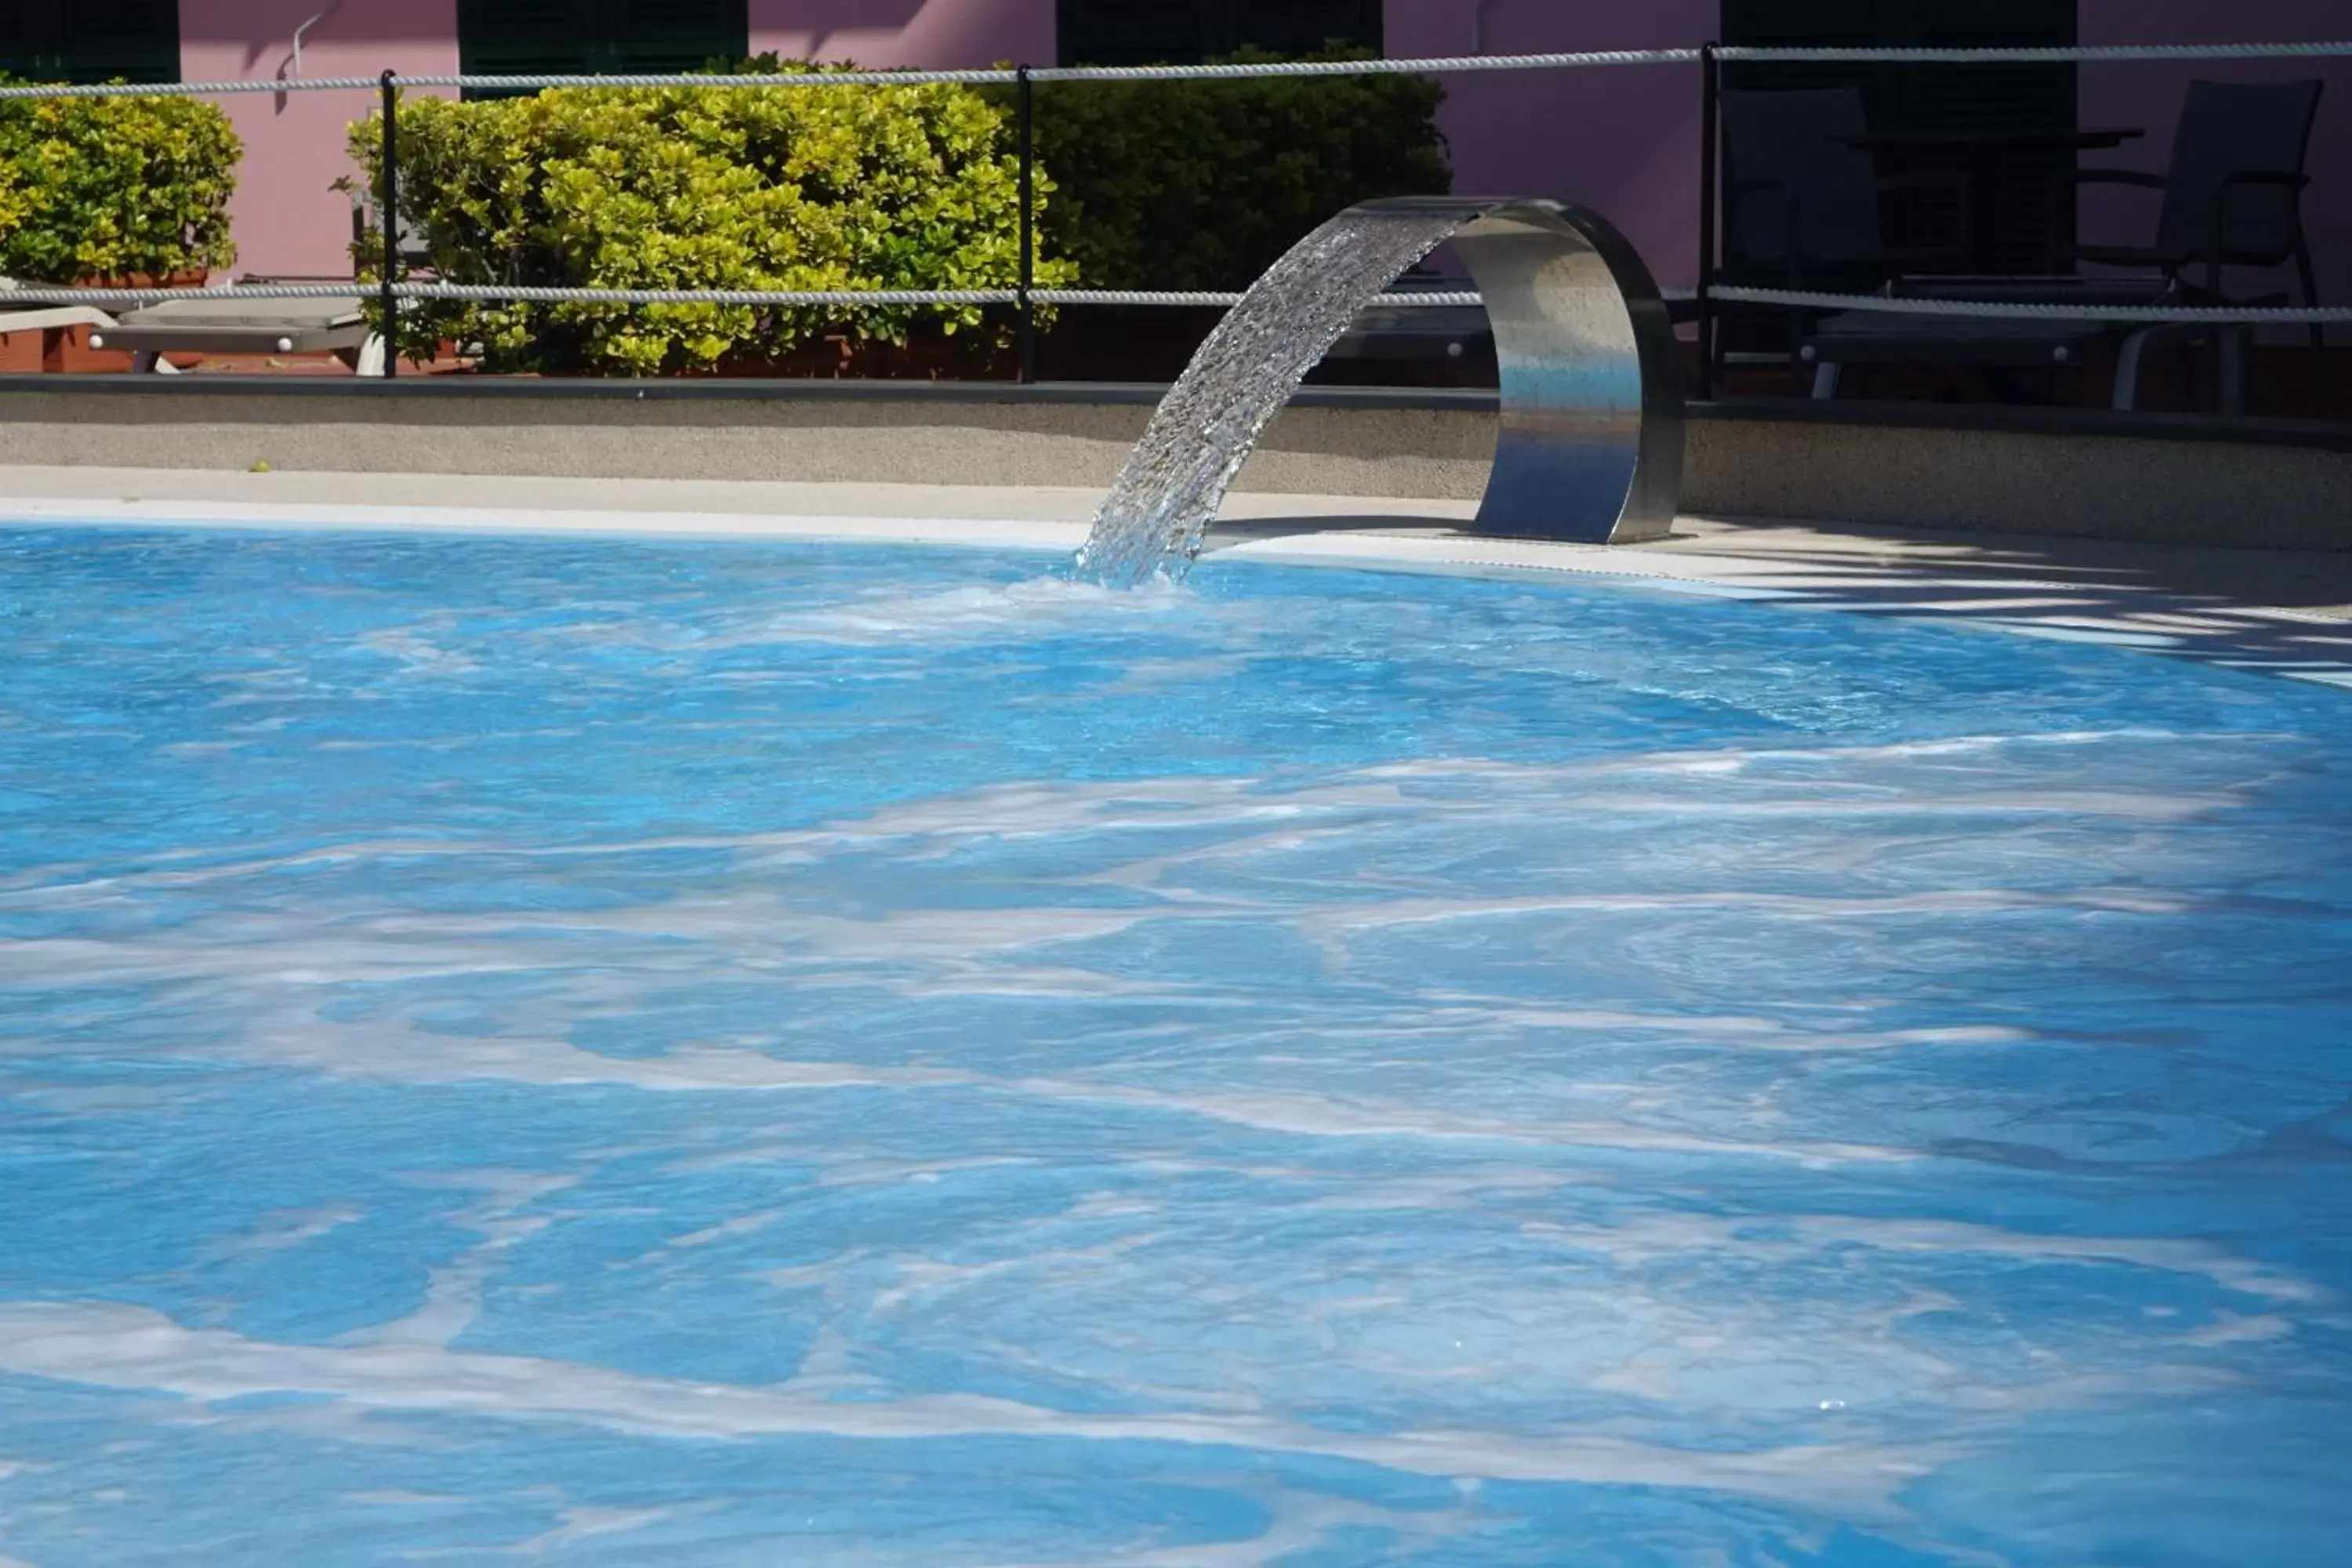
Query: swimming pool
[{"x": 653, "y": 1051}]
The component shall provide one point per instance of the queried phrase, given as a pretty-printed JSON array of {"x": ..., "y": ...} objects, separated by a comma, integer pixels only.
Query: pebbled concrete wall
[{"x": 2182, "y": 481}]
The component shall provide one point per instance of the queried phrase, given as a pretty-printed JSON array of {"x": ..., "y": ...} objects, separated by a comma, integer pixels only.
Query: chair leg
[
  {"x": 2128, "y": 361},
  {"x": 1825, "y": 382},
  {"x": 2318, "y": 332},
  {"x": 2236, "y": 351}
]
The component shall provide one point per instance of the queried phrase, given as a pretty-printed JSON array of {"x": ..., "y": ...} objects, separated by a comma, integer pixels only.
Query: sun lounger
[
  {"x": 49, "y": 317},
  {"x": 198, "y": 325},
  {"x": 15, "y": 318},
  {"x": 52, "y": 321}
]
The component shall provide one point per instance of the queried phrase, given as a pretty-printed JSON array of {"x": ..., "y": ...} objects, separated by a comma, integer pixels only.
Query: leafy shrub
[
  {"x": 16, "y": 206},
  {"x": 729, "y": 188},
  {"x": 1201, "y": 185},
  {"x": 114, "y": 187}
]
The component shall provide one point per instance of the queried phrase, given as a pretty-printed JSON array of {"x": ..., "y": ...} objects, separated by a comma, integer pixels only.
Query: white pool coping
[{"x": 2205, "y": 604}]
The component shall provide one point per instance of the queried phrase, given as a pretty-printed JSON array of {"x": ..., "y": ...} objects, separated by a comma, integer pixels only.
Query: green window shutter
[
  {"x": 598, "y": 37},
  {"x": 1132, "y": 32},
  {"x": 2027, "y": 202},
  {"x": 1303, "y": 26},
  {"x": 526, "y": 38},
  {"x": 1151, "y": 32},
  {"x": 678, "y": 34},
  {"x": 1936, "y": 98},
  {"x": 91, "y": 40},
  {"x": 20, "y": 44}
]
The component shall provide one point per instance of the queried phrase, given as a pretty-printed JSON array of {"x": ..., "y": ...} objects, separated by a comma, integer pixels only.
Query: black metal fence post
[
  {"x": 1028, "y": 111},
  {"x": 388, "y": 218},
  {"x": 1710, "y": 75}
]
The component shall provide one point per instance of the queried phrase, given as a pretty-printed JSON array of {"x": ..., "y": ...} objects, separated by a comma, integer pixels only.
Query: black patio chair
[
  {"x": 2234, "y": 194},
  {"x": 2232, "y": 198},
  {"x": 1803, "y": 198}
]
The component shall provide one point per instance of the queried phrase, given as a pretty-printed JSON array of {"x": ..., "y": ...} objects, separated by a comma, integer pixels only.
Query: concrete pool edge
[
  {"x": 2284, "y": 613},
  {"x": 2257, "y": 483}
]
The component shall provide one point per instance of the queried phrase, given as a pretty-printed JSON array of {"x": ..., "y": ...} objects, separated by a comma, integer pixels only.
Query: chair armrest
[
  {"x": 2289, "y": 178},
  {"x": 1927, "y": 179},
  {"x": 2139, "y": 177}
]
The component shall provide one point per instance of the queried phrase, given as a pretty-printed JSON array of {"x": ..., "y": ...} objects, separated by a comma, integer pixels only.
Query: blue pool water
[{"x": 651, "y": 1052}]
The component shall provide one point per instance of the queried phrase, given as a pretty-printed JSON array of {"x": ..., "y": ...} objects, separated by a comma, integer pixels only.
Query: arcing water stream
[{"x": 1168, "y": 489}]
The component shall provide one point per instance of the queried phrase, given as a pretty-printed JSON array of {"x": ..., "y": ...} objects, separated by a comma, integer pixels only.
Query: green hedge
[
  {"x": 96, "y": 188},
  {"x": 1201, "y": 185},
  {"x": 16, "y": 205},
  {"x": 893, "y": 187}
]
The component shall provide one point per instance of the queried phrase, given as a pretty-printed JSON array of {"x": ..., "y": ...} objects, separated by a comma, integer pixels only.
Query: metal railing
[{"x": 1025, "y": 295}]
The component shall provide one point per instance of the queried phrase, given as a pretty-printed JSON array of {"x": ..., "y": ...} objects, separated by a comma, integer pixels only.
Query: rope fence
[
  {"x": 1199, "y": 299},
  {"x": 858, "y": 299},
  {"x": 2042, "y": 310},
  {"x": 1444, "y": 64},
  {"x": 133, "y": 299},
  {"x": 2082, "y": 54}
]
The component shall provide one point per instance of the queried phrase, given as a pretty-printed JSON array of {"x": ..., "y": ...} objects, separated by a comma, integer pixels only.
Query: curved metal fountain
[{"x": 1591, "y": 443}]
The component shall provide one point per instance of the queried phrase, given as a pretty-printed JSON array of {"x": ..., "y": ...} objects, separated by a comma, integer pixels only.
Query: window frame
[
  {"x": 593, "y": 40},
  {"x": 154, "y": 56}
]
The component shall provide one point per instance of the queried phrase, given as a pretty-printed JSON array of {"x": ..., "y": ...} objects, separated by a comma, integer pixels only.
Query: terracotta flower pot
[{"x": 193, "y": 278}]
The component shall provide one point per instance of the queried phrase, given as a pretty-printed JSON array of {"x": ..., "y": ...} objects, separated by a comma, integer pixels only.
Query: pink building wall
[
  {"x": 1624, "y": 140},
  {"x": 1620, "y": 139},
  {"x": 289, "y": 219}
]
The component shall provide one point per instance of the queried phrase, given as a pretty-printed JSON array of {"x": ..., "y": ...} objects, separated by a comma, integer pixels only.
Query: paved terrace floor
[{"x": 2287, "y": 612}]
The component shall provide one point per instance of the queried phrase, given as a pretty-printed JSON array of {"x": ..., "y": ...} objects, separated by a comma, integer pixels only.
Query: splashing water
[{"x": 1167, "y": 491}]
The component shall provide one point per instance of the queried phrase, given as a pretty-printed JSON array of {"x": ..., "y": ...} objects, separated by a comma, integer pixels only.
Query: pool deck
[{"x": 2287, "y": 612}]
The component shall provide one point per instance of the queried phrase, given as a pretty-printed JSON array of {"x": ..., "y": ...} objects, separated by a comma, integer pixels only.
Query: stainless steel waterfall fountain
[{"x": 1591, "y": 444}]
